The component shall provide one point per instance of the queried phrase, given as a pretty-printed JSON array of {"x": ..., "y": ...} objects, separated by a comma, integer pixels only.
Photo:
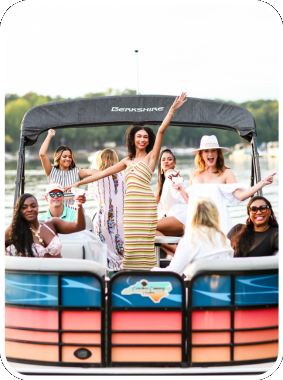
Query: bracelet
[
  {"x": 77, "y": 183},
  {"x": 170, "y": 113}
]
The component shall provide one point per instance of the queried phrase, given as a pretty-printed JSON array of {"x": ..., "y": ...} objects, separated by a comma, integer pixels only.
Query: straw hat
[{"x": 209, "y": 142}]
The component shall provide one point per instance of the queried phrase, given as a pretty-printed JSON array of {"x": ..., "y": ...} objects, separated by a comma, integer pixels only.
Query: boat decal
[{"x": 154, "y": 290}]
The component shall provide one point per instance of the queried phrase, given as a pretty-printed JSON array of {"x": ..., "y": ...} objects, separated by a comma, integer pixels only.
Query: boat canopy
[{"x": 135, "y": 109}]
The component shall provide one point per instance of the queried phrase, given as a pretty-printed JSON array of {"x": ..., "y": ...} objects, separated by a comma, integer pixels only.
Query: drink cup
[
  {"x": 77, "y": 192},
  {"x": 177, "y": 179}
]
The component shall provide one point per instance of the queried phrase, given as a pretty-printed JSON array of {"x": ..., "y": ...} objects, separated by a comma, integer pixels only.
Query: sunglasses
[
  {"x": 262, "y": 209},
  {"x": 59, "y": 194}
]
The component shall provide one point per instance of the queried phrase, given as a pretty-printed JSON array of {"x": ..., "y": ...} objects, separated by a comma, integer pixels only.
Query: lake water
[{"x": 36, "y": 183}]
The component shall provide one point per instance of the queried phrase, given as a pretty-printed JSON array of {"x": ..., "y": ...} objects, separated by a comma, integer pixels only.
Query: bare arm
[
  {"x": 63, "y": 227},
  {"x": 87, "y": 172},
  {"x": 178, "y": 102},
  {"x": 101, "y": 174},
  {"x": 243, "y": 195},
  {"x": 181, "y": 190},
  {"x": 43, "y": 150}
]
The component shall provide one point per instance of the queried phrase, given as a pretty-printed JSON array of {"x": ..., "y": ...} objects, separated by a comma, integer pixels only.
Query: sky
[{"x": 211, "y": 49}]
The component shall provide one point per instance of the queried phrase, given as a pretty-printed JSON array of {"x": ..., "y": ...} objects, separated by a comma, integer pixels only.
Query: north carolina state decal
[{"x": 154, "y": 290}]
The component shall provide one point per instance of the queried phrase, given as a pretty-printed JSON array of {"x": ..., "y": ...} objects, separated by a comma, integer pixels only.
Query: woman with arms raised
[
  {"x": 64, "y": 171},
  {"x": 140, "y": 210},
  {"x": 259, "y": 236},
  {"x": 212, "y": 179},
  {"x": 27, "y": 236},
  {"x": 204, "y": 239}
]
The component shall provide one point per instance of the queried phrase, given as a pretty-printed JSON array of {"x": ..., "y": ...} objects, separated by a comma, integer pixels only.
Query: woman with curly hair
[
  {"x": 140, "y": 210},
  {"x": 212, "y": 179},
  {"x": 27, "y": 236},
  {"x": 259, "y": 236},
  {"x": 64, "y": 170}
]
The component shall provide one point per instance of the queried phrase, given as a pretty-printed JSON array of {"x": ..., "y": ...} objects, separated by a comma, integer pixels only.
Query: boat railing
[{"x": 226, "y": 313}]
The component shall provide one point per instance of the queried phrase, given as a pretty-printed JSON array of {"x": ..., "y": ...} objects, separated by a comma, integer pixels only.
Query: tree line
[{"x": 265, "y": 113}]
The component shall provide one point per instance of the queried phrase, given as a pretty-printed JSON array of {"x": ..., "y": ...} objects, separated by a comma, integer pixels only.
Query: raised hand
[
  {"x": 170, "y": 176},
  {"x": 177, "y": 186},
  {"x": 179, "y": 101},
  {"x": 51, "y": 132},
  {"x": 80, "y": 200},
  {"x": 268, "y": 180}
]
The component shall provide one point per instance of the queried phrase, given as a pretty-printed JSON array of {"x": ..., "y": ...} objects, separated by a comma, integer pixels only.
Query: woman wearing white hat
[{"x": 212, "y": 179}]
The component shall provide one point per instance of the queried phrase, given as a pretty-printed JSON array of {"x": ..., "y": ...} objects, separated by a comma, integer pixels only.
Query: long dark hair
[
  {"x": 58, "y": 154},
  {"x": 243, "y": 240},
  {"x": 20, "y": 233},
  {"x": 161, "y": 176},
  {"x": 130, "y": 139}
]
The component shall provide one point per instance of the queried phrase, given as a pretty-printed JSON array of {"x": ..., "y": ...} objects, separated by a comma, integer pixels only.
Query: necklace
[
  {"x": 36, "y": 233},
  {"x": 264, "y": 230}
]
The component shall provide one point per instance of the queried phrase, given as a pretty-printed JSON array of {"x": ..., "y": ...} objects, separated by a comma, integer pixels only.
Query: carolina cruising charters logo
[{"x": 154, "y": 290}]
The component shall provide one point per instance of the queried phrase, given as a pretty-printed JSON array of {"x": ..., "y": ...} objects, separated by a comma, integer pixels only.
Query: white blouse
[
  {"x": 200, "y": 248},
  {"x": 171, "y": 206},
  {"x": 219, "y": 193}
]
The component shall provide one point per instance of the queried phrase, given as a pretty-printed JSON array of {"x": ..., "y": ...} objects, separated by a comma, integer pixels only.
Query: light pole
[{"x": 136, "y": 51}]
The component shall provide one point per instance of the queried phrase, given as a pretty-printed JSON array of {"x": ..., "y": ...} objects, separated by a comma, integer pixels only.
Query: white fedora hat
[{"x": 209, "y": 142}]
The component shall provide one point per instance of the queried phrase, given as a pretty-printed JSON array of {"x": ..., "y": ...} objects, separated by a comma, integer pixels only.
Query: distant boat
[
  {"x": 273, "y": 149},
  {"x": 240, "y": 151},
  {"x": 10, "y": 157}
]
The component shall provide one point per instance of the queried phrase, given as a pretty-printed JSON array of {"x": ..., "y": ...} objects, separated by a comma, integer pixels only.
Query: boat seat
[
  {"x": 52, "y": 264},
  {"x": 84, "y": 241},
  {"x": 73, "y": 251},
  {"x": 232, "y": 264}
]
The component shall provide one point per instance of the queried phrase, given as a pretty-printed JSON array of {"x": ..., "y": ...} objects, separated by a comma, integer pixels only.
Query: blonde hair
[
  {"x": 96, "y": 157},
  {"x": 107, "y": 158},
  {"x": 205, "y": 214},
  {"x": 200, "y": 164}
]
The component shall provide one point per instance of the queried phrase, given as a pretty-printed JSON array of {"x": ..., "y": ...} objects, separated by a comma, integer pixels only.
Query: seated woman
[
  {"x": 175, "y": 210},
  {"x": 259, "y": 236},
  {"x": 27, "y": 236},
  {"x": 204, "y": 240},
  {"x": 109, "y": 192}
]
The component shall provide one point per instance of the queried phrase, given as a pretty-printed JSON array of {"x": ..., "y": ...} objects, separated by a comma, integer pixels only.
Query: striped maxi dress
[{"x": 140, "y": 218}]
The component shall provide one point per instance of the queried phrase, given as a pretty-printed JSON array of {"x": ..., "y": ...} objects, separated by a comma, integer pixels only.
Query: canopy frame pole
[
  {"x": 20, "y": 178},
  {"x": 255, "y": 157}
]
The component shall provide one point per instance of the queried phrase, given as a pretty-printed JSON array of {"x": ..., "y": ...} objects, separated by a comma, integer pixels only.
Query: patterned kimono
[{"x": 109, "y": 192}]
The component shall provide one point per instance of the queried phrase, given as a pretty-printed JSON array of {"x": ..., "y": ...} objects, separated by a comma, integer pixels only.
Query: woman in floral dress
[{"x": 109, "y": 192}]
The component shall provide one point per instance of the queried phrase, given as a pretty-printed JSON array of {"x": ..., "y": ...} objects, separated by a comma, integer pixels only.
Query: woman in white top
[
  {"x": 64, "y": 171},
  {"x": 212, "y": 179},
  {"x": 172, "y": 213},
  {"x": 204, "y": 240},
  {"x": 109, "y": 192}
]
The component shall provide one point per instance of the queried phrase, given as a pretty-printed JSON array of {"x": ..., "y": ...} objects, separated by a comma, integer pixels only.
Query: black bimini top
[{"x": 135, "y": 109}]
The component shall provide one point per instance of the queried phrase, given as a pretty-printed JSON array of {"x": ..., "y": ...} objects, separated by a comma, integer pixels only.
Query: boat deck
[{"x": 251, "y": 369}]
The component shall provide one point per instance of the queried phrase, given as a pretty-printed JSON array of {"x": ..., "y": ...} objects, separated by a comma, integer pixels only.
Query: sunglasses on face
[
  {"x": 262, "y": 209},
  {"x": 59, "y": 194}
]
